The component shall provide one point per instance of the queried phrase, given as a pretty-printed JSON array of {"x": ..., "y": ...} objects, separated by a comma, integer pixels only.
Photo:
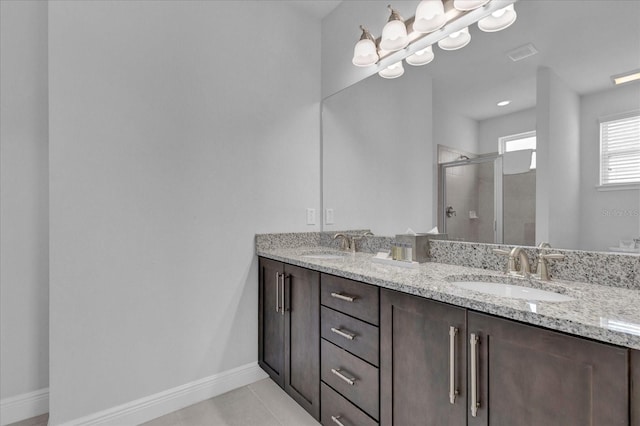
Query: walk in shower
[{"x": 479, "y": 202}]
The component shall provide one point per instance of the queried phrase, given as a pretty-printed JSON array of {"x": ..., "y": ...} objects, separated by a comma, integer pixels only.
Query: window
[
  {"x": 519, "y": 142},
  {"x": 620, "y": 149}
]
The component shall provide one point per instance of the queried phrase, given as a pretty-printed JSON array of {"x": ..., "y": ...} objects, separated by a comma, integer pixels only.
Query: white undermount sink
[
  {"x": 512, "y": 291},
  {"x": 323, "y": 256}
]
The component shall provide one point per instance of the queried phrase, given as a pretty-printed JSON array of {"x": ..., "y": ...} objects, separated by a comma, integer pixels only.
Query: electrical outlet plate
[
  {"x": 328, "y": 217},
  {"x": 311, "y": 216}
]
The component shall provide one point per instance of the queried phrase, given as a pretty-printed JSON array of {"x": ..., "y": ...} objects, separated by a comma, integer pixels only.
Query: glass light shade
[
  {"x": 498, "y": 20},
  {"x": 365, "y": 53},
  {"x": 421, "y": 57},
  {"x": 429, "y": 16},
  {"x": 392, "y": 71},
  {"x": 456, "y": 40},
  {"x": 469, "y": 4},
  {"x": 394, "y": 36}
]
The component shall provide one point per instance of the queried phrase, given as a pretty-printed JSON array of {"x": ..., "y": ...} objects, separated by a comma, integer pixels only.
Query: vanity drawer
[
  {"x": 351, "y": 297},
  {"x": 352, "y": 377},
  {"x": 355, "y": 336},
  {"x": 335, "y": 406}
]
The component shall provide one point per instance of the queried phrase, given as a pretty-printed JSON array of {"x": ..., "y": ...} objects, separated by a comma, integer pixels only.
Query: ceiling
[
  {"x": 583, "y": 42},
  {"x": 316, "y": 8}
]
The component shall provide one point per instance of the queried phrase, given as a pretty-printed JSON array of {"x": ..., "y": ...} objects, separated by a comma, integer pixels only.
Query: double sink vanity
[{"x": 360, "y": 343}]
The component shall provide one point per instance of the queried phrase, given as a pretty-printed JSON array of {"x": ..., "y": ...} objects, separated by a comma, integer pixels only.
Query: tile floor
[{"x": 262, "y": 403}]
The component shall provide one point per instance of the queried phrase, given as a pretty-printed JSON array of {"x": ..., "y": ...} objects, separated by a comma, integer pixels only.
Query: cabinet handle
[
  {"x": 343, "y": 333},
  {"x": 452, "y": 364},
  {"x": 284, "y": 277},
  {"x": 474, "y": 375},
  {"x": 351, "y": 381},
  {"x": 277, "y": 296},
  {"x": 336, "y": 420},
  {"x": 343, "y": 297}
]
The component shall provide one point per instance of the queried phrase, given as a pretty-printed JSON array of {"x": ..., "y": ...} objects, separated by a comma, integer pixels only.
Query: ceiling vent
[{"x": 522, "y": 52}]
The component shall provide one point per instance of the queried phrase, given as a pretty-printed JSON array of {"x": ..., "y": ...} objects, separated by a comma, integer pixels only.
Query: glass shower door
[{"x": 469, "y": 202}]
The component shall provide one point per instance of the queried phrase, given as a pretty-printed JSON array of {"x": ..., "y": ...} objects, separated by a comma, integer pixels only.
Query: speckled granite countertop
[{"x": 604, "y": 313}]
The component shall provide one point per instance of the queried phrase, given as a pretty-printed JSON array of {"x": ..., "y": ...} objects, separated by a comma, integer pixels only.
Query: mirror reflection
[{"x": 434, "y": 148}]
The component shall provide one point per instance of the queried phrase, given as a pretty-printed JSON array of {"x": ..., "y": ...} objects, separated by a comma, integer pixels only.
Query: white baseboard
[
  {"x": 25, "y": 406},
  {"x": 150, "y": 407}
]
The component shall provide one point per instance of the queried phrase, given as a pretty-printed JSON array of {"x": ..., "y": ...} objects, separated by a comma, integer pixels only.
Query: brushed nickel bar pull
[
  {"x": 351, "y": 381},
  {"x": 336, "y": 420},
  {"x": 277, "y": 296},
  {"x": 284, "y": 277},
  {"x": 474, "y": 375},
  {"x": 452, "y": 364},
  {"x": 343, "y": 333},
  {"x": 343, "y": 297}
]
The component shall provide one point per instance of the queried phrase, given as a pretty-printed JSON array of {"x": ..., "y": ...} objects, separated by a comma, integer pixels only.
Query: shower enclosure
[{"x": 478, "y": 203}]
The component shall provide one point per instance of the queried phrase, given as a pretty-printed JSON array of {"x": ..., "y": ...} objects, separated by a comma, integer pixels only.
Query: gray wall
[
  {"x": 604, "y": 230},
  {"x": 490, "y": 130},
  {"x": 24, "y": 243},
  {"x": 558, "y": 162},
  {"x": 169, "y": 150},
  {"x": 377, "y": 148}
]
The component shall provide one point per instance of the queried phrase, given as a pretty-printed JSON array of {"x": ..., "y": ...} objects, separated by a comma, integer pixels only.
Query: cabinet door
[
  {"x": 302, "y": 339},
  {"x": 416, "y": 360},
  {"x": 635, "y": 388},
  {"x": 271, "y": 320},
  {"x": 531, "y": 376}
]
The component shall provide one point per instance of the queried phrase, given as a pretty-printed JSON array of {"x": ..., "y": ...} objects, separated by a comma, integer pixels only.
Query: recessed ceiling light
[
  {"x": 626, "y": 77},
  {"x": 503, "y": 103}
]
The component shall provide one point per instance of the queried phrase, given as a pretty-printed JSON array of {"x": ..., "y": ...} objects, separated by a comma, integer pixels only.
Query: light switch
[
  {"x": 328, "y": 217},
  {"x": 311, "y": 216}
]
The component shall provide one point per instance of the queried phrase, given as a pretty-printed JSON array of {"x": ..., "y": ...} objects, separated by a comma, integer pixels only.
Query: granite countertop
[{"x": 604, "y": 313}]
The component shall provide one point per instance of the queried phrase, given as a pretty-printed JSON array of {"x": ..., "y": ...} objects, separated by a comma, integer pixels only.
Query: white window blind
[{"x": 620, "y": 149}]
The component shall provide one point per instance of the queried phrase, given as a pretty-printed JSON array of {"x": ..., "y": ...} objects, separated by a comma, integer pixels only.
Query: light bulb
[
  {"x": 465, "y": 5},
  {"x": 456, "y": 40},
  {"x": 498, "y": 20},
  {"x": 365, "y": 52},
  {"x": 429, "y": 16},
  {"x": 394, "y": 33},
  {"x": 392, "y": 71},
  {"x": 421, "y": 57}
]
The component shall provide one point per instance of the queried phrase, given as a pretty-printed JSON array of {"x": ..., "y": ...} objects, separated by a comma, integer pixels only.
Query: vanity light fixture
[
  {"x": 421, "y": 57},
  {"x": 456, "y": 40},
  {"x": 498, "y": 20},
  {"x": 365, "y": 53},
  {"x": 392, "y": 71},
  {"x": 445, "y": 22},
  {"x": 626, "y": 77},
  {"x": 503, "y": 103},
  {"x": 394, "y": 33}
]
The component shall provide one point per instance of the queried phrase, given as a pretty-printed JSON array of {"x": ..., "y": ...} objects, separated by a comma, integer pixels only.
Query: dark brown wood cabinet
[
  {"x": 634, "y": 391},
  {"x": 289, "y": 330},
  {"x": 436, "y": 364},
  {"x": 526, "y": 375},
  {"x": 422, "y": 361}
]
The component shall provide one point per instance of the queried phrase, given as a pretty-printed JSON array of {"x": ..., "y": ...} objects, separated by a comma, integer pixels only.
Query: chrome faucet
[
  {"x": 345, "y": 244},
  {"x": 518, "y": 264},
  {"x": 348, "y": 243},
  {"x": 542, "y": 270}
]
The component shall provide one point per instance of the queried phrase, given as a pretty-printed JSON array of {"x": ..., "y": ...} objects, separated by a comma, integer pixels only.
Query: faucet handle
[
  {"x": 344, "y": 244},
  {"x": 542, "y": 270},
  {"x": 502, "y": 252}
]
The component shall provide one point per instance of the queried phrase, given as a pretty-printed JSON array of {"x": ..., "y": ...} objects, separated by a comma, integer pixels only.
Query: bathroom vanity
[{"x": 357, "y": 343}]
